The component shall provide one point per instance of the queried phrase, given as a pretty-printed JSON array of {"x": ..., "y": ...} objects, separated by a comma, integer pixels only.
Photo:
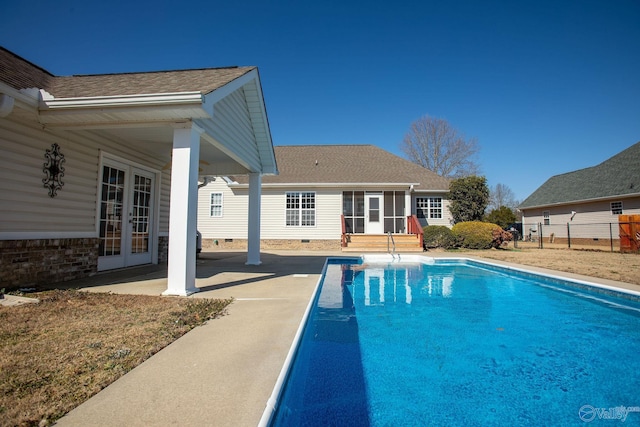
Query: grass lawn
[{"x": 58, "y": 353}]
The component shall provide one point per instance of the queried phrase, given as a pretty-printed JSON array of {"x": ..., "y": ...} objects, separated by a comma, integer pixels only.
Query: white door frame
[
  {"x": 374, "y": 212},
  {"x": 126, "y": 258}
]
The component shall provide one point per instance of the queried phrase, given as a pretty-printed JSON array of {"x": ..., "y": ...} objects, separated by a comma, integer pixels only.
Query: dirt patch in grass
[
  {"x": 605, "y": 265},
  {"x": 58, "y": 353}
]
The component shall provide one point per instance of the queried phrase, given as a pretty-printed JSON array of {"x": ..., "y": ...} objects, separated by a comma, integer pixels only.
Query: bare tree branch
[
  {"x": 434, "y": 144},
  {"x": 501, "y": 195}
]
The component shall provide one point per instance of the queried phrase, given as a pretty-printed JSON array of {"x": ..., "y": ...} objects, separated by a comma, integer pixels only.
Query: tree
[
  {"x": 434, "y": 144},
  {"x": 468, "y": 197},
  {"x": 501, "y": 195},
  {"x": 503, "y": 216}
]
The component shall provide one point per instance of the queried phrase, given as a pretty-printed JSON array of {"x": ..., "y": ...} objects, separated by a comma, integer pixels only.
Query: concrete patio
[{"x": 221, "y": 373}]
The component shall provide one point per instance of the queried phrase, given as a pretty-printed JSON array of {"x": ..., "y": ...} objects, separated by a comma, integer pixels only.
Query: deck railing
[{"x": 414, "y": 227}]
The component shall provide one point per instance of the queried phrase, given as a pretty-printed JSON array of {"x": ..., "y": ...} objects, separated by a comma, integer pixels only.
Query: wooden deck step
[{"x": 379, "y": 243}]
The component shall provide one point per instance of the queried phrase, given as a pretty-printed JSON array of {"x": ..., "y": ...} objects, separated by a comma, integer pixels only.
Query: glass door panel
[
  {"x": 140, "y": 215},
  {"x": 111, "y": 208}
]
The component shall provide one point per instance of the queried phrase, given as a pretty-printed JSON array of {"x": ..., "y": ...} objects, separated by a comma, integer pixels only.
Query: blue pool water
[{"x": 461, "y": 343}]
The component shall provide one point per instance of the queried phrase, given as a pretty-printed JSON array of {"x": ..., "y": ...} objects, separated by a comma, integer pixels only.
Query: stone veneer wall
[
  {"x": 39, "y": 261},
  {"x": 266, "y": 244}
]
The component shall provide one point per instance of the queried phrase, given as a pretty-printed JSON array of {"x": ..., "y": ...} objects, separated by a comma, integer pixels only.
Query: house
[
  {"x": 100, "y": 172},
  {"x": 585, "y": 205},
  {"x": 324, "y": 194}
]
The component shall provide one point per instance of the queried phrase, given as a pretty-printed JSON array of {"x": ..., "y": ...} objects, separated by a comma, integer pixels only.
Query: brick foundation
[
  {"x": 41, "y": 261},
  {"x": 163, "y": 249},
  {"x": 266, "y": 244}
]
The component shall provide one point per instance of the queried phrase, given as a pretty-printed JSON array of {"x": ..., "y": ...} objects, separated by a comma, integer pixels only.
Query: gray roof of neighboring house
[
  {"x": 22, "y": 74},
  {"x": 617, "y": 176},
  {"x": 348, "y": 164}
]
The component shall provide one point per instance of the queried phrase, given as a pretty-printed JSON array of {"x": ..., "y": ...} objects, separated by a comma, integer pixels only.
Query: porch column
[
  {"x": 181, "y": 274},
  {"x": 408, "y": 207},
  {"x": 253, "y": 237}
]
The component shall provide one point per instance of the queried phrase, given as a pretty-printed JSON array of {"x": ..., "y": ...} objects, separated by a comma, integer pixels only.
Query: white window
[
  {"x": 429, "y": 207},
  {"x": 546, "y": 216},
  {"x": 300, "y": 209},
  {"x": 616, "y": 208},
  {"x": 216, "y": 205},
  {"x": 435, "y": 207}
]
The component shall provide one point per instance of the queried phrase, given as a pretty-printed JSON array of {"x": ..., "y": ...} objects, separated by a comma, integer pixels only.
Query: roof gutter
[
  {"x": 11, "y": 98},
  {"x": 329, "y": 184},
  {"x": 47, "y": 101}
]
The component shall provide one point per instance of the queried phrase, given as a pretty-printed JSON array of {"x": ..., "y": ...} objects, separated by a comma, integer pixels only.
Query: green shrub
[
  {"x": 476, "y": 234},
  {"x": 438, "y": 236}
]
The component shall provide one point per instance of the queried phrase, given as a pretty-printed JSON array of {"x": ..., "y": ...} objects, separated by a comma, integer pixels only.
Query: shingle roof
[
  {"x": 345, "y": 164},
  {"x": 617, "y": 176},
  {"x": 203, "y": 80},
  {"x": 20, "y": 74}
]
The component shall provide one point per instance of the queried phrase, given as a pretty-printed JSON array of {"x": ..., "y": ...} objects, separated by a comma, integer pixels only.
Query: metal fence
[{"x": 612, "y": 236}]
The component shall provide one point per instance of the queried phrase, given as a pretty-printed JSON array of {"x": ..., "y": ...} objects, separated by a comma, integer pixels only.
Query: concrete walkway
[{"x": 219, "y": 374}]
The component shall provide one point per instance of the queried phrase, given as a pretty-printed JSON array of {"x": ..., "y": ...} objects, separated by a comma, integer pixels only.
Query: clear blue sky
[{"x": 546, "y": 87}]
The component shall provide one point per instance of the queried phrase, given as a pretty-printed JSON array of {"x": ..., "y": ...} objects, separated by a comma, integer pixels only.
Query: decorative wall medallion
[{"x": 53, "y": 170}]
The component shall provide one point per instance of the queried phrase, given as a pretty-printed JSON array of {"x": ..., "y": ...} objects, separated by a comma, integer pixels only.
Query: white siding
[
  {"x": 231, "y": 123},
  {"x": 328, "y": 210},
  {"x": 26, "y": 210},
  {"x": 233, "y": 223},
  {"x": 447, "y": 218}
]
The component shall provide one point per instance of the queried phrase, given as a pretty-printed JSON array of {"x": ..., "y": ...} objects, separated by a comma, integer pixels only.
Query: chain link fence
[{"x": 596, "y": 236}]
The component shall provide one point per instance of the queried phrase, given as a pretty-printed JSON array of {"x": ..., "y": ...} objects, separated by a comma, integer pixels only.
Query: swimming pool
[{"x": 459, "y": 342}]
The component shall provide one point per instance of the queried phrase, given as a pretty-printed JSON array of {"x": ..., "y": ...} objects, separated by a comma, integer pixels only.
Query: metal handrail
[
  {"x": 390, "y": 239},
  {"x": 343, "y": 237}
]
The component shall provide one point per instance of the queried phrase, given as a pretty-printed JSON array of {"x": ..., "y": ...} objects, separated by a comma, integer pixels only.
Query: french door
[{"x": 126, "y": 216}]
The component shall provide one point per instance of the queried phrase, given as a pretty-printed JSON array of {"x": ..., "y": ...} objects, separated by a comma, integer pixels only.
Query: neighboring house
[
  {"x": 101, "y": 172},
  {"x": 586, "y": 202},
  {"x": 318, "y": 185}
]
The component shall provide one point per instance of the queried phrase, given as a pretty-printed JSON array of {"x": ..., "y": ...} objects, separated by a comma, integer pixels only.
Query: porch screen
[
  {"x": 353, "y": 211},
  {"x": 394, "y": 212}
]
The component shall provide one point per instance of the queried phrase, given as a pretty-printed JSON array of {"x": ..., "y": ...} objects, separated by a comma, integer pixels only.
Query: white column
[
  {"x": 408, "y": 209},
  {"x": 253, "y": 237},
  {"x": 181, "y": 275}
]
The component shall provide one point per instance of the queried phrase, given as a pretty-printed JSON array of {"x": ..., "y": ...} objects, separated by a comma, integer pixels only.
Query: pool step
[{"x": 378, "y": 243}]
